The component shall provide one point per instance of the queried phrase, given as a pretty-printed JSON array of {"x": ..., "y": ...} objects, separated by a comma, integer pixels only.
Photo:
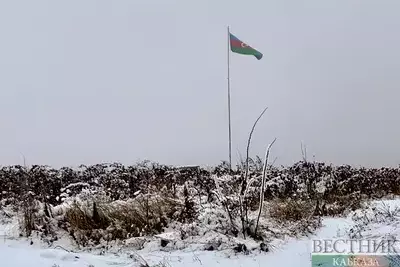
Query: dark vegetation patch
[{"x": 151, "y": 195}]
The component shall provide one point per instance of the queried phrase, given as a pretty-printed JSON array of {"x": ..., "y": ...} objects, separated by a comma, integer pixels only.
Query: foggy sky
[{"x": 85, "y": 82}]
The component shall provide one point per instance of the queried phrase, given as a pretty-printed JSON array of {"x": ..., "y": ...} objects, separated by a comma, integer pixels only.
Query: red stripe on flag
[{"x": 236, "y": 43}]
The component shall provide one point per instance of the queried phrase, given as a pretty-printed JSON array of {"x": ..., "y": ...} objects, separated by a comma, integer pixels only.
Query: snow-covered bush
[
  {"x": 302, "y": 180},
  {"x": 113, "y": 201}
]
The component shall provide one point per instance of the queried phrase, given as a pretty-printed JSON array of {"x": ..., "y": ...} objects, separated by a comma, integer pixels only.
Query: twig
[
  {"x": 304, "y": 152},
  {"x": 248, "y": 143},
  {"x": 242, "y": 201},
  {"x": 63, "y": 249},
  {"x": 263, "y": 183},
  {"x": 273, "y": 163},
  {"x": 224, "y": 201}
]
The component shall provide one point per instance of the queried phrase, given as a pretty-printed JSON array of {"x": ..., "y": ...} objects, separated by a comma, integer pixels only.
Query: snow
[
  {"x": 16, "y": 252},
  {"x": 293, "y": 253}
]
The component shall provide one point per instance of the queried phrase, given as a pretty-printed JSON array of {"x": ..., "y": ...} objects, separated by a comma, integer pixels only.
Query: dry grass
[
  {"x": 340, "y": 205},
  {"x": 91, "y": 221},
  {"x": 290, "y": 210},
  {"x": 298, "y": 216},
  {"x": 143, "y": 263}
]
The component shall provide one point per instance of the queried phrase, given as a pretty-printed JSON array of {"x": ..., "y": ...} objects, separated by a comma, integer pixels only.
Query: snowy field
[{"x": 15, "y": 252}]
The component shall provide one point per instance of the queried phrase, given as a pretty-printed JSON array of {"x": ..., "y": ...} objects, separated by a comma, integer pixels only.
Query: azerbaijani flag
[{"x": 240, "y": 47}]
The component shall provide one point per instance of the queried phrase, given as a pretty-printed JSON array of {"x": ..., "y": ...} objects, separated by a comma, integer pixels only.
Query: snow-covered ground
[{"x": 292, "y": 252}]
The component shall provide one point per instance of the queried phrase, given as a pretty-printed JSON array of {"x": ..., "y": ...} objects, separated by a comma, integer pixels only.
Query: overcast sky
[{"x": 102, "y": 81}]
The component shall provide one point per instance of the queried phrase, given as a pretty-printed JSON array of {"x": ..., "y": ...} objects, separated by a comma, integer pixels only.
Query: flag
[{"x": 240, "y": 47}]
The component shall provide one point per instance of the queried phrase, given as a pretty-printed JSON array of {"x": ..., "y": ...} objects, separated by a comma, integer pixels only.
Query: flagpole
[{"x": 229, "y": 105}]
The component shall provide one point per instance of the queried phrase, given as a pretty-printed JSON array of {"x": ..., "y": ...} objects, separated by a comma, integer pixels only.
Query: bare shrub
[
  {"x": 143, "y": 263},
  {"x": 373, "y": 215},
  {"x": 388, "y": 212},
  {"x": 243, "y": 205},
  {"x": 189, "y": 212},
  {"x": 29, "y": 209}
]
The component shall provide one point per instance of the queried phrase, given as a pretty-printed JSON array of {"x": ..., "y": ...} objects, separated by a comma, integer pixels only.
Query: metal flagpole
[{"x": 229, "y": 106}]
